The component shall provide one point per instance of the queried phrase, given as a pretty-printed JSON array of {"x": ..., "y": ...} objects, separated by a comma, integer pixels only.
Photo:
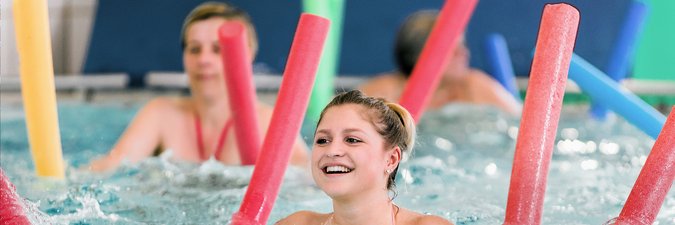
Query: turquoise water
[{"x": 460, "y": 171}]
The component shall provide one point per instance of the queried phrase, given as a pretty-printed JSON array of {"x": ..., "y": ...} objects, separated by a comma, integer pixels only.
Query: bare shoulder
[
  {"x": 164, "y": 104},
  {"x": 481, "y": 77},
  {"x": 480, "y": 81},
  {"x": 387, "y": 86},
  {"x": 414, "y": 218},
  {"x": 303, "y": 217},
  {"x": 432, "y": 220},
  {"x": 383, "y": 79}
]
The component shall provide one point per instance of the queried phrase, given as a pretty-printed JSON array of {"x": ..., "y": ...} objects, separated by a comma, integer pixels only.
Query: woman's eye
[
  {"x": 216, "y": 49},
  {"x": 352, "y": 140},
  {"x": 194, "y": 50},
  {"x": 321, "y": 141}
]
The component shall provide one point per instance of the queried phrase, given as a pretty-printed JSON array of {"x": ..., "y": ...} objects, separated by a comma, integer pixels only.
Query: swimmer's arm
[{"x": 138, "y": 141}]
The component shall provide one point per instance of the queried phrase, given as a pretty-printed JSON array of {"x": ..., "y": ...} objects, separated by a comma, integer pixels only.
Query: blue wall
[{"x": 137, "y": 36}]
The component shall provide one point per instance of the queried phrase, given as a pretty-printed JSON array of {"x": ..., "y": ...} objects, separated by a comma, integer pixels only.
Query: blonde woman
[{"x": 200, "y": 126}]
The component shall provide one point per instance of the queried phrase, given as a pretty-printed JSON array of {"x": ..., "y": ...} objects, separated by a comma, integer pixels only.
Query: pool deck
[{"x": 112, "y": 87}]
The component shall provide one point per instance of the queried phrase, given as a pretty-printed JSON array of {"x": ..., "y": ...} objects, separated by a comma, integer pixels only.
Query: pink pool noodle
[
  {"x": 435, "y": 55},
  {"x": 289, "y": 111},
  {"x": 654, "y": 181},
  {"x": 11, "y": 211},
  {"x": 541, "y": 112},
  {"x": 240, "y": 88}
]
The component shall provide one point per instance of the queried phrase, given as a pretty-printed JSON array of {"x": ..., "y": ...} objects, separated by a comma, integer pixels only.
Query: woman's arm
[{"x": 139, "y": 140}]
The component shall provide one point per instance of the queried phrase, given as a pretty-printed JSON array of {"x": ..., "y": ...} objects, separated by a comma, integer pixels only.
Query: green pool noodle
[{"x": 324, "y": 87}]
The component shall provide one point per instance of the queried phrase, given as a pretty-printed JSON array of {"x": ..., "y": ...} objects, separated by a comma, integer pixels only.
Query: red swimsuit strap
[
  {"x": 200, "y": 140},
  {"x": 221, "y": 139}
]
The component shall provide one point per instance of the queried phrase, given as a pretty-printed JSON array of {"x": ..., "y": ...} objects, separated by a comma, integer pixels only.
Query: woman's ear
[{"x": 394, "y": 158}]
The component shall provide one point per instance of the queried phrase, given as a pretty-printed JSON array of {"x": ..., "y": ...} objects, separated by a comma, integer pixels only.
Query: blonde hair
[
  {"x": 393, "y": 122},
  {"x": 226, "y": 11}
]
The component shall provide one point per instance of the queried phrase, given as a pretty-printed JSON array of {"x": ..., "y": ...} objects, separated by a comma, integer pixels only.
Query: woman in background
[
  {"x": 200, "y": 126},
  {"x": 459, "y": 82}
]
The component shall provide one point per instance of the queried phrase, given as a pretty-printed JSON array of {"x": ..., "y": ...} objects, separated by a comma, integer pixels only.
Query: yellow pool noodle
[{"x": 31, "y": 22}]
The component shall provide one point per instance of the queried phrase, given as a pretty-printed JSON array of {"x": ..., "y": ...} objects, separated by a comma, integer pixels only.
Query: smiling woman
[{"x": 358, "y": 146}]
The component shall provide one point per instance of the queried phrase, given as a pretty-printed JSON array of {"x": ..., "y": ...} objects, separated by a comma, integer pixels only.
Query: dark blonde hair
[
  {"x": 208, "y": 10},
  {"x": 393, "y": 122},
  {"x": 411, "y": 38}
]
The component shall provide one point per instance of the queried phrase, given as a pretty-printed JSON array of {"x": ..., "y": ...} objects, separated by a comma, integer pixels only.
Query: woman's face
[
  {"x": 201, "y": 58},
  {"x": 349, "y": 155}
]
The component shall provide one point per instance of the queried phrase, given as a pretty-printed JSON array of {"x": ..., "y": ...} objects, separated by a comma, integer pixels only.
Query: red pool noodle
[
  {"x": 11, "y": 211},
  {"x": 435, "y": 55},
  {"x": 240, "y": 88},
  {"x": 654, "y": 181},
  {"x": 541, "y": 112},
  {"x": 289, "y": 111}
]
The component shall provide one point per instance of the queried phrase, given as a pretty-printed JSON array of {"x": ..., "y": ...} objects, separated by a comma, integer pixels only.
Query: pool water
[{"x": 460, "y": 171}]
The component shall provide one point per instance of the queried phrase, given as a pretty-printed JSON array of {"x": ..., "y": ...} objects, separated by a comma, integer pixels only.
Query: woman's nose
[{"x": 335, "y": 150}]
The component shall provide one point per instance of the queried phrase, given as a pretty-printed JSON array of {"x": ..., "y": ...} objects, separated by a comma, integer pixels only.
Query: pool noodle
[
  {"x": 500, "y": 63},
  {"x": 289, "y": 110},
  {"x": 654, "y": 181},
  {"x": 33, "y": 40},
  {"x": 620, "y": 59},
  {"x": 241, "y": 89},
  {"x": 324, "y": 87},
  {"x": 435, "y": 55},
  {"x": 595, "y": 83},
  {"x": 541, "y": 113},
  {"x": 11, "y": 210}
]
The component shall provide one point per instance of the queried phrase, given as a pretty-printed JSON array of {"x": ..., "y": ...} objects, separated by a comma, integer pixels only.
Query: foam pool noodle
[
  {"x": 11, "y": 209},
  {"x": 601, "y": 88},
  {"x": 500, "y": 63},
  {"x": 324, "y": 87},
  {"x": 541, "y": 114},
  {"x": 287, "y": 117},
  {"x": 623, "y": 50},
  {"x": 33, "y": 40},
  {"x": 236, "y": 58},
  {"x": 654, "y": 181},
  {"x": 434, "y": 58}
]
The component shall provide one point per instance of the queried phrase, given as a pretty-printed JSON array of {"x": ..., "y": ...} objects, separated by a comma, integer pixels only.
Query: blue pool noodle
[
  {"x": 601, "y": 88},
  {"x": 500, "y": 63},
  {"x": 620, "y": 58}
]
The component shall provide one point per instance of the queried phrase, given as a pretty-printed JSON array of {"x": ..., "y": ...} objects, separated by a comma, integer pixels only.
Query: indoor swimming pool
[{"x": 460, "y": 171}]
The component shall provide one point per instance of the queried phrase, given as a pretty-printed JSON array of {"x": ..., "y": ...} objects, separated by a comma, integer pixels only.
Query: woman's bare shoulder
[
  {"x": 303, "y": 217},
  {"x": 385, "y": 79},
  {"x": 388, "y": 86},
  {"x": 432, "y": 220},
  {"x": 164, "y": 103},
  {"x": 415, "y": 218}
]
